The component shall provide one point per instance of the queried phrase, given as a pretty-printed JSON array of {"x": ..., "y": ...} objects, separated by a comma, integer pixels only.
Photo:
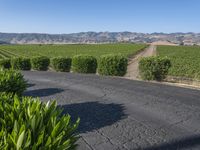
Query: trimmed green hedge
[
  {"x": 29, "y": 124},
  {"x": 84, "y": 64},
  {"x": 12, "y": 82},
  {"x": 40, "y": 63},
  {"x": 112, "y": 65},
  {"x": 154, "y": 68},
  {"x": 21, "y": 63},
  {"x": 5, "y": 63},
  {"x": 61, "y": 64}
]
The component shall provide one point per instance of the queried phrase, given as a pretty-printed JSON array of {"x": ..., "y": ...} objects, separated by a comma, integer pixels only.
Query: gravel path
[
  {"x": 121, "y": 114},
  {"x": 132, "y": 70}
]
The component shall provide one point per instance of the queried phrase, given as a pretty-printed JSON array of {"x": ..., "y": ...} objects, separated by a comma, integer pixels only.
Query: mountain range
[{"x": 99, "y": 37}]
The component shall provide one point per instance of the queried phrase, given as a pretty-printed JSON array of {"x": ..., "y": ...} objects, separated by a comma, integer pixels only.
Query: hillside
[{"x": 98, "y": 37}]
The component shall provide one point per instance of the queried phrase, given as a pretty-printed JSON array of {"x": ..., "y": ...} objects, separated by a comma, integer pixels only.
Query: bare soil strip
[{"x": 132, "y": 70}]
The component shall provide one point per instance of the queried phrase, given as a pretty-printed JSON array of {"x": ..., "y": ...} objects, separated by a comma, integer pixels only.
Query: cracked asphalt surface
[{"x": 123, "y": 114}]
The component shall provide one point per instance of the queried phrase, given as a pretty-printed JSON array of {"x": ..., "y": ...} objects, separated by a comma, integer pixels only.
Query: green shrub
[
  {"x": 21, "y": 63},
  {"x": 112, "y": 65},
  {"x": 29, "y": 124},
  {"x": 5, "y": 63},
  {"x": 12, "y": 82},
  {"x": 61, "y": 64},
  {"x": 154, "y": 68},
  {"x": 40, "y": 63},
  {"x": 84, "y": 64}
]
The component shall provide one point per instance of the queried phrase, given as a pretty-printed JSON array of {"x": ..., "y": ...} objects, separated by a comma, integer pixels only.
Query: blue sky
[{"x": 68, "y": 16}]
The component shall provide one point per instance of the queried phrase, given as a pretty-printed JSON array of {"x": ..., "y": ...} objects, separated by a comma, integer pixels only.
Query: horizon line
[{"x": 100, "y": 32}]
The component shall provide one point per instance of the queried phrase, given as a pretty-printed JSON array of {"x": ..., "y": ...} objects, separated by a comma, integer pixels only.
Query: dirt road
[{"x": 133, "y": 71}]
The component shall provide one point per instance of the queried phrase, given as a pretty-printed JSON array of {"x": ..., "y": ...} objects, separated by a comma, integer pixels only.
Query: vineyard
[
  {"x": 9, "y": 51},
  {"x": 185, "y": 60}
]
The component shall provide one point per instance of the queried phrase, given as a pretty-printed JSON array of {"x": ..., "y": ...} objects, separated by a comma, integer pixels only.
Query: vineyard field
[
  {"x": 185, "y": 60},
  {"x": 9, "y": 51}
]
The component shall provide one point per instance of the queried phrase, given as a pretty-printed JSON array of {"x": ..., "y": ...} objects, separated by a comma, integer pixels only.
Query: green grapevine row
[
  {"x": 70, "y": 50},
  {"x": 185, "y": 60}
]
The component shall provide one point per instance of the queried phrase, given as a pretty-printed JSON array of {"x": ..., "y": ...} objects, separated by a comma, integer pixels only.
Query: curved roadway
[{"x": 123, "y": 114}]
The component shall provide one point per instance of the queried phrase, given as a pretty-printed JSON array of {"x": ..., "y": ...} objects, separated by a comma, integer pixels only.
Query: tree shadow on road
[
  {"x": 185, "y": 143},
  {"x": 30, "y": 85},
  {"x": 94, "y": 115},
  {"x": 42, "y": 92}
]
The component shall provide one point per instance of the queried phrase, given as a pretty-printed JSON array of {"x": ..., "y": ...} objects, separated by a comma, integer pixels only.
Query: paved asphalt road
[{"x": 123, "y": 114}]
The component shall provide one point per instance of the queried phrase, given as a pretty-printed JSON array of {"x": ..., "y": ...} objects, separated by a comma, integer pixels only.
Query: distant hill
[
  {"x": 99, "y": 37},
  {"x": 3, "y": 42}
]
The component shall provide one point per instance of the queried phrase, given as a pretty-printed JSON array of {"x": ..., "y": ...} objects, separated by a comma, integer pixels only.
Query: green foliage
[
  {"x": 154, "y": 68},
  {"x": 29, "y": 124},
  {"x": 61, "y": 64},
  {"x": 185, "y": 60},
  {"x": 113, "y": 65},
  {"x": 69, "y": 50},
  {"x": 5, "y": 63},
  {"x": 84, "y": 64},
  {"x": 12, "y": 82},
  {"x": 21, "y": 63},
  {"x": 40, "y": 63}
]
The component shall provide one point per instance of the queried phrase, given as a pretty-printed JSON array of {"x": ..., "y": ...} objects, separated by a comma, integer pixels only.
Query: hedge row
[
  {"x": 21, "y": 63},
  {"x": 40, "y": 63},
  {"x": 154, "y": 68},
  {"x": 84, "y": 64},
  {"x": 37, "y": 63},
  {"x": 113, "y": 65},
  {"x": 61, "y": 64}
]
